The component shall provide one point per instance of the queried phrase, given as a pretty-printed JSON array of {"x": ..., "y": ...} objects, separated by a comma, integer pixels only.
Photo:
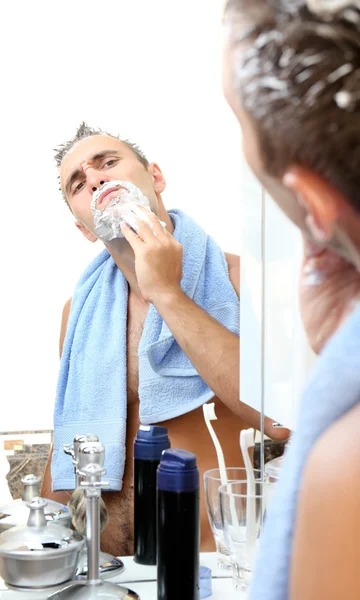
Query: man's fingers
[
  {"x": 157, "y": 226},
  {"x": 148, "y": 224},
  {"x": 132, "y": 237}
]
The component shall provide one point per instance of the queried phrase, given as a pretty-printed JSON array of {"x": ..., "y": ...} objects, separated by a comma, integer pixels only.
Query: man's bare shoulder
[
  {"x": 337, "y": 447},
  {"x": 334, "y": 465},
  {"x": 233, "y": 261},
  {"x": 64, "y": 321},
  {"x": 66, "y": 309},
  {"x": 327, "y": 521}
]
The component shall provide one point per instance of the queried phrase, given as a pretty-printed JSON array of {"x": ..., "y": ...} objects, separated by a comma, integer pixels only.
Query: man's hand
[
  {"x": 158, "y": 256},
  {"x": 329, "y": 292}
]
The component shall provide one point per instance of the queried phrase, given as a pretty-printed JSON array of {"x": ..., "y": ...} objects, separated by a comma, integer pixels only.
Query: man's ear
[
  {"x": 158, "y": 178},
  {"x": 323, "y": 203},
  {"x": 86, "y": 232}
]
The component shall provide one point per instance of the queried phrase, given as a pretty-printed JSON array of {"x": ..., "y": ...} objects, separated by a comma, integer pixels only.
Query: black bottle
[
  {"x": 178, "y": 526},
  {"x": 149, "y": 445}
]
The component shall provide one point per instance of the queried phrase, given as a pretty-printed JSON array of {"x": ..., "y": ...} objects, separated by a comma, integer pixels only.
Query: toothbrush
[
  {"x": 247, "y": 441},
  {"x": 209, "y": 415}
]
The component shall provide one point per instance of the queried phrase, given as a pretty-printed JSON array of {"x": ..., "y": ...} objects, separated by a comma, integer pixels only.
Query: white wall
[{"x": 147, "y": 70}]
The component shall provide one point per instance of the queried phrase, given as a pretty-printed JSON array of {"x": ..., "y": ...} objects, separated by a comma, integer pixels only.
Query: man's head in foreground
[{"x": 292, "y": 77}]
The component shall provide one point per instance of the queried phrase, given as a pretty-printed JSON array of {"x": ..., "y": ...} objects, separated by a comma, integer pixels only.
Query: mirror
[{"x": 132, "y": 68}]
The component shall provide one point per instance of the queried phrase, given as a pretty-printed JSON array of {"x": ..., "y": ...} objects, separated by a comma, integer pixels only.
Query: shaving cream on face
[{"x": 109, "y": 214}]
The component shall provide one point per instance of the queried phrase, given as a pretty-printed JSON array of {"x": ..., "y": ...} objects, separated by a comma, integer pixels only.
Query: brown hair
[{"x": 299, "y": 80}]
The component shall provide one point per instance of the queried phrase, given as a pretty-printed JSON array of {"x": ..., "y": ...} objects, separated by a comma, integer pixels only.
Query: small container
[
  {"x": 40, "y": 554},
  {"x": 149, "y": 445},
  {"x": 178, "y": 526},
  {"x": 17, "y": 512}
]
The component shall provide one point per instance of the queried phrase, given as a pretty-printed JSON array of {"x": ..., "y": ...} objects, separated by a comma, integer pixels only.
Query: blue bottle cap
[
  {"x": 150, "y": 442},
  {"x": 177, "y": 471}
]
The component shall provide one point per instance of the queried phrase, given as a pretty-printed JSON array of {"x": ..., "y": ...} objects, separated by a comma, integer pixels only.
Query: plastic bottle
[
  {"x": 149, "y": 445},
  {"x": 178, "y": 526}
]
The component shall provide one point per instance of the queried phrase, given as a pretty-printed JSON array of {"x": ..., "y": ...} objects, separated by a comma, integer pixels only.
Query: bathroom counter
[{"x": 142, "y": 580}]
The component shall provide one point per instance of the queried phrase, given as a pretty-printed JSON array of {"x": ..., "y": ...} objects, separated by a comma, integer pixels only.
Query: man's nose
[{"x": 94, "y": 180}]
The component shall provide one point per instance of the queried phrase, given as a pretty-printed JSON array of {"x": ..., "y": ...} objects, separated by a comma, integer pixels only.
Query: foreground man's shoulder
[
  {"x": 333, "y": 466},
  {"x": 327, "y": 517},
  {"x": 340, "y": 442}
]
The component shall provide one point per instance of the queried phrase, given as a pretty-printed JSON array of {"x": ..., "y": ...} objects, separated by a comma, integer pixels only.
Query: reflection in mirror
[
  {"x": 141, "y": 82},
  {"x": 58, "y": 75}
]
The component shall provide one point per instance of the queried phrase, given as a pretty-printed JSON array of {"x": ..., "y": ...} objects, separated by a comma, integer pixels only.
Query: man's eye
[
  {"x": 110, "y": 163},
  {"x": 78, "y": 187}
]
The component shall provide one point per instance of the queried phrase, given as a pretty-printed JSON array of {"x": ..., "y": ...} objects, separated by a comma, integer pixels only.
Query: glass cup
[
  {"x": 242, "y": 518},
  {"x": 212, "y": 482}
]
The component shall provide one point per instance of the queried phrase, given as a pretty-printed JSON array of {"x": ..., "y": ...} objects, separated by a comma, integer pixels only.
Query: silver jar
[{"x": 40, "y": 554}]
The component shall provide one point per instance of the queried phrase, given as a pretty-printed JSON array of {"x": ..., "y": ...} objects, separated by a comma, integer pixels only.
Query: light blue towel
[
  {"x": 333, "y": 390},
  {"x": 91, "y": 393}
]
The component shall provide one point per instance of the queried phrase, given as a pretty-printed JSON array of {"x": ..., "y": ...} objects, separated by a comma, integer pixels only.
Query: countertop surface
[{"x": 142, "y": 580}]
